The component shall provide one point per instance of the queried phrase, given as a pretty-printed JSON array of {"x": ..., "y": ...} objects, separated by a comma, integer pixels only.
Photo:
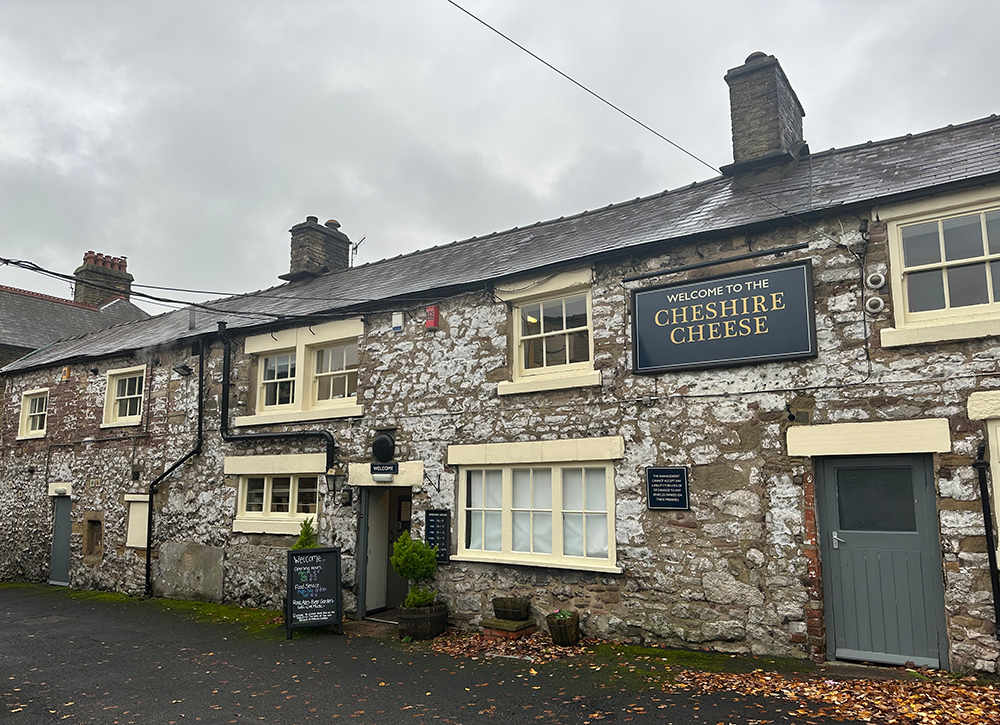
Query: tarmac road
[{"x": 67, "y": 660}]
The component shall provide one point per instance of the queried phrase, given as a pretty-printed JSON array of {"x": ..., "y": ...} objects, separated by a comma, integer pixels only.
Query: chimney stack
[
  {"x": 766, "y": 116},
  {"x": 100, "y": 278},
  {"x": 317, "y": 249}
]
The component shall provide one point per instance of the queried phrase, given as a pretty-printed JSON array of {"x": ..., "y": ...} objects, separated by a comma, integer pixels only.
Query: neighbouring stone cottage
[{"x": 740, "y": 415}]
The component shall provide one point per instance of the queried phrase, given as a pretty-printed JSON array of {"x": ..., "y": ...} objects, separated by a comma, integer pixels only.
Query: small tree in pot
[{"x": 415, "y": 561}]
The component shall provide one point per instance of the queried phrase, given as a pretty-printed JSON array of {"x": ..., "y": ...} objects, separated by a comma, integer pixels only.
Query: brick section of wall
[
  {"x": 315, "y": 245},
  {"x": 766, "y": 115}
]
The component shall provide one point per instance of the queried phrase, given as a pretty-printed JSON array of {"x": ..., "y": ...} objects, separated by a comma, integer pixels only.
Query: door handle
[{"x": 837, "y": 541}]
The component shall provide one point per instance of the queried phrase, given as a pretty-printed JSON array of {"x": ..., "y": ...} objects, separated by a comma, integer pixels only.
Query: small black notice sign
[
  {"x": 667, "y": 488},
  {"x": 437, "y": 532},
  {"x": 392, "y": 468},
  {"x": 314, "y": 597}
]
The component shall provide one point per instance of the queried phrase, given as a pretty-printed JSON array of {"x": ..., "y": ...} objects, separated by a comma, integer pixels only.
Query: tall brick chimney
[
  {"x": 317, "y": 249},
  {"x": 766, "y": 115},
  {"x": 107, "y": 276}
]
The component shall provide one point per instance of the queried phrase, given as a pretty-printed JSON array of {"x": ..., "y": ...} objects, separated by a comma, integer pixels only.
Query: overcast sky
[{"x": 190, "y": 136}]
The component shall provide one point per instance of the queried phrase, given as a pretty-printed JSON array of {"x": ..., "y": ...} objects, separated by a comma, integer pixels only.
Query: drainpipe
[
  {"x": 331, "y": 442},
  {"x": 991, "y": 551},
  {"x": 193, "y": 452}
]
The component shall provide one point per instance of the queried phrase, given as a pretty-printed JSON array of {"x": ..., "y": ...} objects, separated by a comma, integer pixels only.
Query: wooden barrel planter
[
  {"x": 514, "y": 609},
  {"x": 422, "y": 622},
  {"x": 564, "y": 628}
]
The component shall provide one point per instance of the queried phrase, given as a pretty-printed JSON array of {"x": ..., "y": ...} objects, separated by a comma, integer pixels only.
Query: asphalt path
[{"x": 68, "y": 660}]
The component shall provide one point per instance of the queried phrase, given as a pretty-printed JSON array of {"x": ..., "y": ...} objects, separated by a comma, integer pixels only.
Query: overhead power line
[{"x": 605, "y": 101}]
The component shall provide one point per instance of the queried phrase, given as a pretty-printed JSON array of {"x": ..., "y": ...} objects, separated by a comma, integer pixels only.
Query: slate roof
[
  {"x": 873, "y": 172},
  {"x": 30, "y": 320}
]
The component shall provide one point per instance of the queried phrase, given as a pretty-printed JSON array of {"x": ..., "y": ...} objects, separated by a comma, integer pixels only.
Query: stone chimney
[
  {"x": 766, "y": 115},
  {"x": 101, "y": 278},
  {"x": 317, "y": 249}
]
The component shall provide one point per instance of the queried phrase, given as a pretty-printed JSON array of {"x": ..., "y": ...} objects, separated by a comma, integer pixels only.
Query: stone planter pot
[
  {"x": 423, "y": 622},
  {"x": 514, "y": 609},
  {"x": 565, "y": 631}
]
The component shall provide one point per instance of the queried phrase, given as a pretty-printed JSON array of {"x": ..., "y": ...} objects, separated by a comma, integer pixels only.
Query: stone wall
[{"x": 738, "y": 572}]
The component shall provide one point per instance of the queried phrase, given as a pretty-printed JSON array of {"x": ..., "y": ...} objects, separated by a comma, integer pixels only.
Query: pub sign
[{"x": 735, "y": 319}]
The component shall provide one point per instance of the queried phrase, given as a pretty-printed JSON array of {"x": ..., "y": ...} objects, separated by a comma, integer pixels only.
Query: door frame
[
  {"x": 62, "y": 528},
  {"x": 927, "y": 518},
  {"x": 366, "y": 524}
]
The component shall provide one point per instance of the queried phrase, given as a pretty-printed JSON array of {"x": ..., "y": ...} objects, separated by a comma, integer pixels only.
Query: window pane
[
  {"x": 521, "y": 531},
  {"x": 921, "y": 244},
  {"x": 541, "y": 532},
  {"x": 596, "y": 498},
  {"x": 541, "y": 493},
  {"x": 307, "y": 497},
  {"x": 351, "y": 355},
  {"x": 120, "y": 388},
  {"x": 339, "y": 386},
  {"x": 963, "y": 237},
  {"x": 282, "y": 367},
  {"x": 322, "y": 361},
  {"x": 576, "y": 312},
  {"x": 281, "y": 494},
  {"x": 993, "y": 231},
  {"x": 285, "y": 391},
  {"x": 494, "y": 489},
  {"x": 597, "y": 535},
  {"x": 995, "y": 273},
  {"x": 531, "y": 323},
  {"x": 271, "y": 394},
  {"x": 572, "y": 489},
  {"x": 37, "y": 404},
  {"x": 967, "y": 285},
  {"x": 133, "y": 407},
  {"x": 876, "y": 499},
  {"x": 925, "y": 290},
  {"x": 325, "y": 390},
  {"x": 132, "y": 385},
  {"x": 552, "y": 315},
  {"x": 521, "y": 488},
  {"x": 352, "y": 384},
  {"x": 475, "y": 493},
  {"x": 255, "y": 494},
  {"x": 533, "y": 352},
  {"x": 270, "y": 366},
  {"x": 492, "y": 533},
  {"x": 555, "y": 350},
  {"x": 579, "y": 346},
  {"x": 474, "y": 530},
  {"x": 123, "y": 408},
  {"x": 573, "y": 534}
]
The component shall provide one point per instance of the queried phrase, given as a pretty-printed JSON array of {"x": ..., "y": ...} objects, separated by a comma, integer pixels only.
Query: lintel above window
[{"x": 306, "y": 373}]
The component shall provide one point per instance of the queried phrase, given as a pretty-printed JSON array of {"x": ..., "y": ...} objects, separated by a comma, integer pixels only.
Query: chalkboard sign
[
  {"x": 314, "y": 597},
  {"x": 437, "y": 531},
  {"x": 667, "y": 488}
]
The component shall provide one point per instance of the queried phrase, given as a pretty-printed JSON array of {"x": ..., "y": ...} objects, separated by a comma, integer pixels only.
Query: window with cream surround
[
  {"x": 945, "y": 264},
  {"x": 124, "y": 395},
  {"x": 276, "y": 493},
  {"x": 535, "y": 508},
  {"x": 552, "y": 341},
  {"x": 306, "y": 373},
  {"x": 34, "y": 413}
]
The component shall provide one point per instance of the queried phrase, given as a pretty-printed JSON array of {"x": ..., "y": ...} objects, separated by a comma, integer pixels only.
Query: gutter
[
  {"x": 327, "y": 436},
  {"x": 984, "y": 495},
  {"x": 193, "y": 452}
]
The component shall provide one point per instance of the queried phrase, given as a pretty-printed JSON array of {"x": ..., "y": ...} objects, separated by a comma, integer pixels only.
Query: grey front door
[
  {"x": 882, "y": 573},
  {"x": 59, "y": 563}
]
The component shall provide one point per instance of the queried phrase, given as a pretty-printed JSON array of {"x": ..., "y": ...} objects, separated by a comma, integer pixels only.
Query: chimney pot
[
  {"x": 313, "y": 219},
  {"x": 100, "y": 278},
  {"x": 333, "y": 224}
]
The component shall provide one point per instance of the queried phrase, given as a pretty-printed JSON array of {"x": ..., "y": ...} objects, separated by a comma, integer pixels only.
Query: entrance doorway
[
  {"x": 882, "y": 571},
  {"x": 61, "y": 527},
  {"x": 385, "y": 514}
]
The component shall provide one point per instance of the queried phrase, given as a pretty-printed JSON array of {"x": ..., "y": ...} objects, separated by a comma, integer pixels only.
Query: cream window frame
[
  {"x": 138, "y": 520},
  {"x": 304, "y": 343},
  {"x": 111, "y": 417},
  {"x": 519, "y": 294},
  {"x": 290, "y": 379},
  {"x": 959, "y": 323},
  {"x": 558, "y": 456},
  {"x": 27, "y": 400},
  {"x": 294, "y": 467}
]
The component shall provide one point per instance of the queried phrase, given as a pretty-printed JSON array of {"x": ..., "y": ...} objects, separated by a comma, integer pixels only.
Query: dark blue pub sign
[{"x": 737, "y": 319}]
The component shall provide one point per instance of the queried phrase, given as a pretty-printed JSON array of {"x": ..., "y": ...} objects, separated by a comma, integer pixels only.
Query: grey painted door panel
[
  {"x": 882, "y": 561},
  {"x": 61, "y": 527}
]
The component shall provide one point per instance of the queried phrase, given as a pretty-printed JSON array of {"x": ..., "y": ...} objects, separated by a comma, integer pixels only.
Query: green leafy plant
[
  {"x": 415, "y": 561},
  {"x": 307, "y": 536},
  {"x": 562, "y": 614}
]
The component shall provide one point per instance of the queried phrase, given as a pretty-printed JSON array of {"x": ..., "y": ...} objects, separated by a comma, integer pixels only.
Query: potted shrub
[
  {"x": 564, "y": 626},
  {"x": 307, "y": 536},
  {"x": 420, "y": 617}
]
